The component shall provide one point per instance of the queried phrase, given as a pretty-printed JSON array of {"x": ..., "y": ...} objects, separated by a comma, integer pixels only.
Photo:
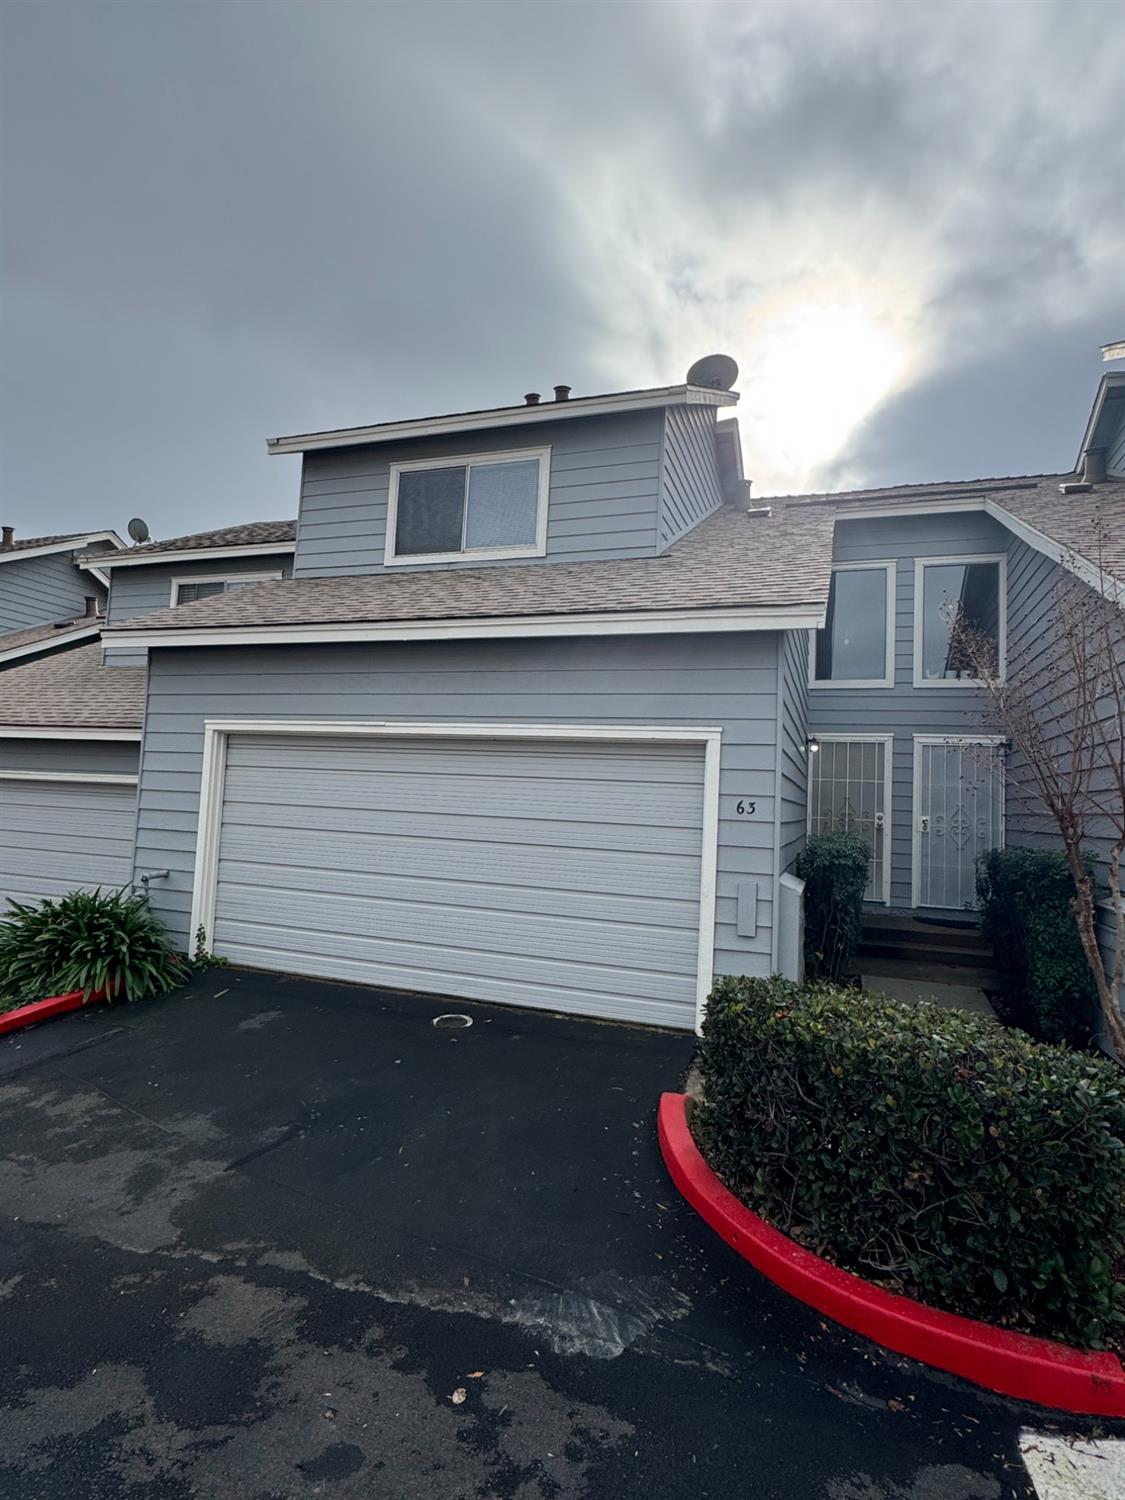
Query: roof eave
[
  {"x": 807, "y": 615},
  {"x": 503, "y": 416},
  {"x": 193, "y": 554},
  {"x": 82, "y": 540}
]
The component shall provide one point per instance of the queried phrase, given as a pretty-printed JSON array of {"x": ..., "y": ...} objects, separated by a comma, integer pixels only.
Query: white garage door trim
[{"x": 216, "y": 731}]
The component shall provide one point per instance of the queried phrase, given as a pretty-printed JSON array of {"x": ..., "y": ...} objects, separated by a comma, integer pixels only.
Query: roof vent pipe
[
  {"x": 1094, "y": 466},
  {"x": 9, "y": 535},
  {"x": 562, "y": 393},
  {"x": 531, "y": 399}
]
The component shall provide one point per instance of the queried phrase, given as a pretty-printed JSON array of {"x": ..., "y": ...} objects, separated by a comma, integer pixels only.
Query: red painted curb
[
  {"x": 43, "y": 1010},
  {"x": 1013, "y": 1364}
]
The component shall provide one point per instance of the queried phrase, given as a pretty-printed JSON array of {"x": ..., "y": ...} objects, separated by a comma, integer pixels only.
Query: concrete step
[
  {"x": 943, "y": 953},
  {"x": 932, "y": 934},
  {"x": 983, "y": 977}
]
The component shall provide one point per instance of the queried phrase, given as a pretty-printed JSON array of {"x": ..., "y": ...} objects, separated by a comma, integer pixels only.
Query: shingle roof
[
  {"x": 1090, "y": 524},
  {"x": 72, "y": 690},
  {"x": 731, "y": 560},
  {"x": 23, "y": 542},
  {"x": 248, "y": 534},
  {"x": 31, "y": 635}
]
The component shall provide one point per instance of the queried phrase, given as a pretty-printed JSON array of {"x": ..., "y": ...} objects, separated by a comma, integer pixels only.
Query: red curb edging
[
  {"x": 1013, "y": 1364},
  {"x": 43, "y": 1010}
]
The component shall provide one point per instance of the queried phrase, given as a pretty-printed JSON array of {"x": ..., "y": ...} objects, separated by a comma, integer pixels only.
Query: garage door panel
[
  {"x": 637, "y": 944},
  {"x": 443, "y": 968},
  {"x": 583, "y": 761},
  {"x": 505, "y": 893},
  {"x": 609, "y": 873},
  {"x": 485, "y": 829},
  {"x": 546, "y": 800},
  {"x": 557, "y": 874},
  {"x": 58, "y": 836}
]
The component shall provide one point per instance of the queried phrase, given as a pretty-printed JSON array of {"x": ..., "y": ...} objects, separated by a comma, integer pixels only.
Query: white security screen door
[
  {"x": 958, "y": 815},
  {"x": 849, "y": 792}
]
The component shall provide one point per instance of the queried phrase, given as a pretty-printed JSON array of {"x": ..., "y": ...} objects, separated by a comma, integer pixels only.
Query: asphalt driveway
[{"x": 268, "y": 1238}]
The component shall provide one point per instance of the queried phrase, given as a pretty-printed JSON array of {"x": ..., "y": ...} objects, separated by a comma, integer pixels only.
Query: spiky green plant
[{"x": 87, "y": 940}]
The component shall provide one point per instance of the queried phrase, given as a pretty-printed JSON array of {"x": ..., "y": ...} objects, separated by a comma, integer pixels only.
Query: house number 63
[{"x": 745, "y": 809}]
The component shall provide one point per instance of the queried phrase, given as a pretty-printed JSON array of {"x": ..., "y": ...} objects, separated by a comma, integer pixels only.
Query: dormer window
[
  {"x": 188, "y": 590},
  {"x": 488, "y": 505}
]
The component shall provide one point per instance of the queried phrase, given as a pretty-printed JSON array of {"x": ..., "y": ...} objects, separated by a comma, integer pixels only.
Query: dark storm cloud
[{"x": 227, "y": 221}]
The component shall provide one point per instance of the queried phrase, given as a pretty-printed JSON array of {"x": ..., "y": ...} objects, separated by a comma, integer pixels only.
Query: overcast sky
[{"x": 223, "y": 222}]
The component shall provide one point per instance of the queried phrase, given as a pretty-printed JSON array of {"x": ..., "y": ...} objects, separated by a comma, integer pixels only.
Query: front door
[
  {"x": 958, "y": 816},
  {"x": 850, "y": 792}
]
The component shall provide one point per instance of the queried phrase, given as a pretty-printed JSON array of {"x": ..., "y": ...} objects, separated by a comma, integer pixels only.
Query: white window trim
[
  {"x": 177, "y": 583},
  {"x": 888, "y": 741},
  {"x": 888, "y": 678},
  {"x": 537, "y": 548},
  {"x": 213, "y": 776},
  {"x": 916, "y": 800},
  {"x": 920, "y": 566}
]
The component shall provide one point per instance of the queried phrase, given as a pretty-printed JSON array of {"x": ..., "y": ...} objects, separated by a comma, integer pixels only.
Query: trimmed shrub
[
  {"x": 87, "y": 940},
  {"x": 834, "y": 869},
  {"x": 932, "y": 1151},
  {"x": 1025, "y": 898}
]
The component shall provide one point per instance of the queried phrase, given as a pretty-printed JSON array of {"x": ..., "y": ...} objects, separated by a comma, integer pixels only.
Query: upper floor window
[
  {"x": 188, "y": 590},
  {"x": 948, "y": 590},
  {"x": 487, "y": 505},
  {"x": 856, "y": 646}
]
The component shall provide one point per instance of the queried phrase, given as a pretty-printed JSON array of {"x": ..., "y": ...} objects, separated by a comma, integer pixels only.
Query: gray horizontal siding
[
  {"x": 689, "y": 487},
  {"x": 604, "y": 483},
  {"x": 34, "y": 590},
  {"x": 1034, "y": 582},
  {"x": 793, "y": 777},
  {"x": 60, "y": 836},
  {"x": 141, "y": 590},
  {"x": 726, "y": 681},
  {"x": 118, "y": 758},
  {"x": 904, "y": 710},
  {"x": 1115, "y": 459}
]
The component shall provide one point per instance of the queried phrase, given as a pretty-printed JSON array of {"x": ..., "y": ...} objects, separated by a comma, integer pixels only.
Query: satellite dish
[
  {"x": 718, "y": 371},
  {"x": 138, "y": 529}
]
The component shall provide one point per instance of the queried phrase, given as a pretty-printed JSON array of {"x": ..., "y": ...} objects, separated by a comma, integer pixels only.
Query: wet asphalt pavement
[{"x": 269, "y": 1238}]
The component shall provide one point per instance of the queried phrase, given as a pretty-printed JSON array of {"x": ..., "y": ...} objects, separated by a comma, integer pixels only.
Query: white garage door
[
  {"x": 58, "y": 835},
  {"x": 561, "y": 875}
]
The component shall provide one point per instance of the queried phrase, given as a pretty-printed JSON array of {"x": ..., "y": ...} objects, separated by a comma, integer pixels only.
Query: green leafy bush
[
  {"x": 834, "y": 869},
  {"x": 87, "y": 940},
  {"x": 931, "y": 1150},
  {"x": 1025, "y": 898}
]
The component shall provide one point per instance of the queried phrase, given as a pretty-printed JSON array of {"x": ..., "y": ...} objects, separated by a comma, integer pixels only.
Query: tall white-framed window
[
  {"x": 856, "y": 648},
  {"x": 188, "y": 590},
  {"x": 850, "y": 779},
  {"x": 479, "y": 506},
  {"x": 973, "y": 589}
]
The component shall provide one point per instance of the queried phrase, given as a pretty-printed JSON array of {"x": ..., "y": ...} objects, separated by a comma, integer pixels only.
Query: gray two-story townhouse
[
  {"x": 71, "y": 711},
  {"x": 899, "y": 725},
  {"x": 527, "y": 723},
  {"x": 52, "y": 591}
]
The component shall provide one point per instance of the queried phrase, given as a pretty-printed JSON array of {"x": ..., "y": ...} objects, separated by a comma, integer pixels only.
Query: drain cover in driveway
[{"x": 451, "y": 1022}]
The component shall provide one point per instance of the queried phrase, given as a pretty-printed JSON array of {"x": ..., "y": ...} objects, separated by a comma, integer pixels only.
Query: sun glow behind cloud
[{"x": 814, "y": 369}]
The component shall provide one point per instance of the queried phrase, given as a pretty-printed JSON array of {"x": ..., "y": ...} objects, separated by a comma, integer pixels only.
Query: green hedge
[
  {"x": 1025, "y": 898},
  {"x": 930, "y": 1150},
  {"x": 834, "y": 869}
]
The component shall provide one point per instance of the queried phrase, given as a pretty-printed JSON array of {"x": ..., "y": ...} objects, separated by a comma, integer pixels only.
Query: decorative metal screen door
[
  {"x": 958, "y": 815},
  {"x": 848, "y": 792}
]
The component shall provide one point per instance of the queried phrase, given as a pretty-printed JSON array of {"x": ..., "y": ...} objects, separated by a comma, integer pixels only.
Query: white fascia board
[
  {"x": 655, "y": 622},
  {"x": 1088, "y": 572},
  {"x": 71, "y": 546},
  {"x": 106, "y": 778},
  {"x": 198, "y": 554},
  {"x": 906, "y": 508},
  {"x": 503, "y": 416},
  {"x": 1108, "y": 381},
  {"x": 54, "y": 732},
  {"x": 99, "y": 573},
  {"x": 49, "y": 643}
]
